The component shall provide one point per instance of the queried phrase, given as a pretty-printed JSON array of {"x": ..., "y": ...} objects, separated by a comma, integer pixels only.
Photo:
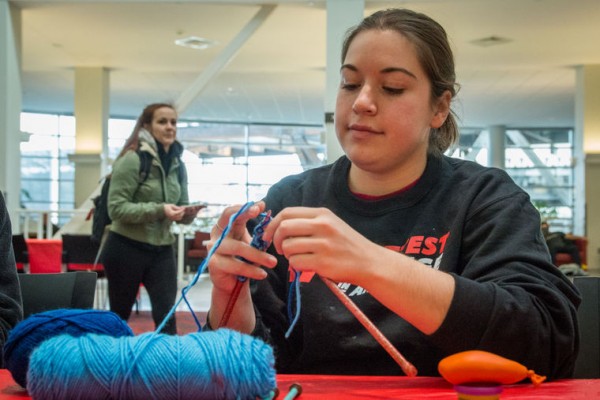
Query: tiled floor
[{"x": 198, "y": 295}]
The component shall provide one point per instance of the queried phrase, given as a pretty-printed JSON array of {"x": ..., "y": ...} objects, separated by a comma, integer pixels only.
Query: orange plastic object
[{"x": 476, "y": 366}]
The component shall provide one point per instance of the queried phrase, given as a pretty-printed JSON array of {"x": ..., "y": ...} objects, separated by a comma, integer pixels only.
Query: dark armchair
[
  {"x": 21, "y": 252},
  {"x": 80, "y": 253},
  {"x": 43, "y": 292}
]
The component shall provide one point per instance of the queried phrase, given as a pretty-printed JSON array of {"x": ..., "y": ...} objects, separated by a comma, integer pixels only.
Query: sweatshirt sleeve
[
  {"x": 509, "y": 298},
  {"x": 11, "y": 311}
]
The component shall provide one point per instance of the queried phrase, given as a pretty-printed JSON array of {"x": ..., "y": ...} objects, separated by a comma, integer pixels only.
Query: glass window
[
  {"x": 46, "y": 176},
  {"x": 540, "y": 160},
  {"x": 232, "y": 163},
  {"x": 236, "y": 163}
]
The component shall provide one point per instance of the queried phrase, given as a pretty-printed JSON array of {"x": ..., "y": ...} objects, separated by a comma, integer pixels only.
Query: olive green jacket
[{"x": 137, "y": 209}]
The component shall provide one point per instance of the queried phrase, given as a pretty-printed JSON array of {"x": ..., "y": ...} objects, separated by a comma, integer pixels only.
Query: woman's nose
[{"x": 364, "y": 102}]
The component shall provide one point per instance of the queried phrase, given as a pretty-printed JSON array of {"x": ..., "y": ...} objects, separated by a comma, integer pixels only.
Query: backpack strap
[
  {"x": 182, "y": 171},
  {"x": 145, "y": 165}
]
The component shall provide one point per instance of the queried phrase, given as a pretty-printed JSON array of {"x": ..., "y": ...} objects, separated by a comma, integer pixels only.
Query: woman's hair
[
  {"x": 145, "y": 118},
  {"x": 434, "y": 54}
]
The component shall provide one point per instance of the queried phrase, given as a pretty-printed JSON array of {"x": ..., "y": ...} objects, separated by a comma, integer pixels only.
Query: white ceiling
[{"x": 279, "y": 73}]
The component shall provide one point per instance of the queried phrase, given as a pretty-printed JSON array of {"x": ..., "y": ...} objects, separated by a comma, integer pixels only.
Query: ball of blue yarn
[
  {"x": 222, "y": 364},
  {"x": 37, "y": 328}
]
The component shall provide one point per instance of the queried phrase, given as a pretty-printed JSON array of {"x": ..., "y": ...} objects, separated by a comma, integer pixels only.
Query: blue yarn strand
[
  {"x": 185, "y": 290},
  {"x": 293, "y": 315},
  {"x": 201, "y": 268}
]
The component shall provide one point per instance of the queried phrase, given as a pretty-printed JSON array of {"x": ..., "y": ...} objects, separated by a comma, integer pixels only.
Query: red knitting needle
[{"x": 407, "y": 367}]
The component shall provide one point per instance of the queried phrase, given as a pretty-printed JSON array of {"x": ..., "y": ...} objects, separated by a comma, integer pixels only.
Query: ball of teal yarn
[
  {"x": 222, "y": 364},
  {"x": 32, "y": 331}
]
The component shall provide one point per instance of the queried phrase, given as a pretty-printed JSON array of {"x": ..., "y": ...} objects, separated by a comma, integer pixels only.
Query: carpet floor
[{"x": 142, "y": 322}]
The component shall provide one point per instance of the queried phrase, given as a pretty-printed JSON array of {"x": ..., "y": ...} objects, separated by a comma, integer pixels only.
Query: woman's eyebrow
[
  {"x": 383, "y": 71},
  {"x": 398, "y": 69},
  {"x": 348, "y": 66}
]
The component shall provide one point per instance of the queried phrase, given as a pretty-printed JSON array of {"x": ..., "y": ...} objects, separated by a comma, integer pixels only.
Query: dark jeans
[{"x": 129, "y": 263}]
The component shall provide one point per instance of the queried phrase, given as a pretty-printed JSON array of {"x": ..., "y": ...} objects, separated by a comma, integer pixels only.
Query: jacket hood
[{"x": 148, "y": 143}]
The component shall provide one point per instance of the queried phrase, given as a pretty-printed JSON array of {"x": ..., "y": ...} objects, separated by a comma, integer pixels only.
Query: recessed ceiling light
[
  {"x": 490, "y": 41},
  {"x": 195, "y": 42}
]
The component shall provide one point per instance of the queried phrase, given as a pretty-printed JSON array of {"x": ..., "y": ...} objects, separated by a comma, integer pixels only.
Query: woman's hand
[
  {"x": 315, "y": 239},
  {"x": 225, "y": 264},
  {"x": 174, "y": 212}
]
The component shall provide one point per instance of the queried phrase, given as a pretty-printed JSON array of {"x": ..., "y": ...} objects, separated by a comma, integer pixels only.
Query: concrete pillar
[
  {"x": 497, "y": 147},
  {"x": 91, "y": 137},
  {"x": 10, "y": 107},
  {"x": 341, "y": 15},
  {"x": 587, "y": 139}
]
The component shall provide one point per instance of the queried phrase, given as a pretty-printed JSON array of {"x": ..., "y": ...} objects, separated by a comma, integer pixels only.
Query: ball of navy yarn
[
  {"x": 222, "y": 364},
  {"x": 32, "y": 331}
]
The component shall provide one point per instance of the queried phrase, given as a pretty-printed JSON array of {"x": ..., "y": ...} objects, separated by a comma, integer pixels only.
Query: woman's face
[
  {"x": 384, "y": 110},
  {"x": 164, "y": 126}
]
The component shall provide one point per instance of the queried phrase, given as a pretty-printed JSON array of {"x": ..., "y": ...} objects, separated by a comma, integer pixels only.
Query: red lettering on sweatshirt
[{"x": 422, "y": 245}]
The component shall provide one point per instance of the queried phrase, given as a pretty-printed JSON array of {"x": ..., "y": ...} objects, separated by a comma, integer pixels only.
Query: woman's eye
[
  {"x": 349, "y": 86},
  {"x": 392, "y": 90}
]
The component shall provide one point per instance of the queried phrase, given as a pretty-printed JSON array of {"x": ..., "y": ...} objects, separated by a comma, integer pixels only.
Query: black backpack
[{"x": 100, "y": 217}]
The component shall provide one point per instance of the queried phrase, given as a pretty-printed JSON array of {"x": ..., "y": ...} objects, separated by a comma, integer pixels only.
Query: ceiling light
[
  {"x": 195, "y": 42},
  {"x": 490, "y": 41}
]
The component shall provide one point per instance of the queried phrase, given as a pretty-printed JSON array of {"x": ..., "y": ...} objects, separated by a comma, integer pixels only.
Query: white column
[
  {"x": 341, "y": 15},
  {"x": 10, "y": 107},
  {"x": 587, "y": 159},
  {"x": 91, "y": 119},
  {"x": 496, "y": 152}
]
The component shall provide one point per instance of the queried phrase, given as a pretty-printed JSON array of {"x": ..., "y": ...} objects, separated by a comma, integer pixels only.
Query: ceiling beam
[{"x": 194, "y": 90}]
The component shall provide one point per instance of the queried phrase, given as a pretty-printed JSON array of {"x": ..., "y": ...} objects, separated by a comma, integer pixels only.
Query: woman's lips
[{"x": 363, "y": 129}]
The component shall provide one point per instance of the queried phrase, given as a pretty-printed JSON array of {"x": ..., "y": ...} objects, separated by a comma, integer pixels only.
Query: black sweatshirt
[
  {"x": 11, "y": 311},
  {"x": 470, "y": 221}
]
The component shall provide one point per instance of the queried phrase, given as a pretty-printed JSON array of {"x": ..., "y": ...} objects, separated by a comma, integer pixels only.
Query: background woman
[{"x": 139, "y": 248}]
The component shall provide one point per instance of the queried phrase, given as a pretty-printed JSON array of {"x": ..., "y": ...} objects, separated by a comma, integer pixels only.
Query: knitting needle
[
  {"x": 295, "y": 391},
  {"x": 257, "y": 243},
  {"x": 407, "y": 367}
]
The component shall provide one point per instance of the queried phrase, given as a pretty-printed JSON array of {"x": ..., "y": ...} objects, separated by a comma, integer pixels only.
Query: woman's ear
[{"x": 441, "y": 110}]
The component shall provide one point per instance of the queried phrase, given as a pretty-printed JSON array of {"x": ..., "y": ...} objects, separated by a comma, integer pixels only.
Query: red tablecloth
[
  {"x": 45, "y": 255},
  {"x": 387, "y": 387}
]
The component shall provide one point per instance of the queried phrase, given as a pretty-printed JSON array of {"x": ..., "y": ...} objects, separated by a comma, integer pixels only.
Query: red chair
[
  {"x": 564, "y": 258},
  {"x": 197, "y": 251},
  {"x": 45, "y": 255}
]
